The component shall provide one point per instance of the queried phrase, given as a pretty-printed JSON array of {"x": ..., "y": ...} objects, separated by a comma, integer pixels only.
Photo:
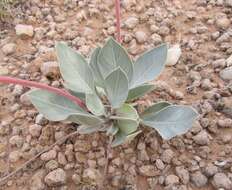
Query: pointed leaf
[
  {"x": 94, "y": 67},
  {"x": 53, "y": 106},
  {"x": 129, "y": 119},
  {"x": 116, "y": 85},
  {"x": 112, "y": 56},
  {"x": 85, "y": 119},
  {"x": 130, "y": 137},
  {"x": 149, "y": 65},
  {"x": 74, "y": 69},
  {"x": 152, "y": 110},
  {"x": 119, "y": 139},
  {"x": 172, "y": 121},
  {"x": 86, "y": 129},
  {"x": 94, "y": 104},
  {"x": 139, "y": 91}
]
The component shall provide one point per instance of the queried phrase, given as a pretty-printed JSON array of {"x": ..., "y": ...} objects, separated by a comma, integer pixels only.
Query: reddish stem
[
  {"x": 118, "y": 20},
  {"x": 10, "y": 80}
]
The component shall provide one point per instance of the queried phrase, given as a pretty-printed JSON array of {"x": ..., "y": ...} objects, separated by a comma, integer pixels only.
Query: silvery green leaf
[
  {"x": 53, "y": 106},
  {"x": 152, "y": 110},
  {"x": 95, "y": 68},
  {"x": 77, "y": 94},
  {"x": 119, "y": 139},
  {"x": 139, "y": 91},
  {"x": 130, "y": 137},
  {"x": 94, "y": 104},
  {"x": 112, "y": 130},
  {"x": 128, "y": 119},
  {"x": 172, "y": 121},
  {"x": 74, "y": 69},
  {"x": 148, "y": 66},
  {"x": 85, "y": 119},
  {"x": 116, "y": 87},
  {"x": 112, "y": 56},
  {"x": 86, "y": 129}
]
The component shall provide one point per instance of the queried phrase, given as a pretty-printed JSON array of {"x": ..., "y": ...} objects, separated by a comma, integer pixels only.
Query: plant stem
[
  {"x": 10, "y": 80},
  {"x": 118, "y": 20}
]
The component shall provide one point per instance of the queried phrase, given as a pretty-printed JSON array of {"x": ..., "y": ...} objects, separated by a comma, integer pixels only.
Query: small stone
[
  {"x": 24, "y": 30},
  {"x": 35, "y": 130},
  {"x": 167, "y": 156},
  {"x": 140, "y": 36},
  {"x": 222, "y": 21},
  {"x": 225, "y": 123},
  {"x": 51, "y": 165},
  {"x": 148, "y": 170},
  {"x": 76, "y": 179},
  {"x": 174, "y": 54},
  {"x": 171, "y": 180},
  {"x": 183, "y": 174},
  {"x": 198, "y": 179},
  {"x": 210, "y": 170},
  {"x": 228, "y": 3},
  {"x": 91, "y": 173},
  {"x": 14, "y": 156},
  {"x": 50, "y": 155},
  {"x": 131, "y": 22},
  {"x": 56, "y": 177},
  {"x": 229, "y": 61},
  {"x": 220, "y": 180},
  {"x": 201, "y": 138},
  {"x": 25, "y": 100},
  {"x": 50, "y": 69},
  {"x": 226, "y": 74},
  {"x": 16, "y": 141},
  {"x": 9, "y": 48},
  {"x": 159, "y": 164},
  {"x": 36, "y": 182}
]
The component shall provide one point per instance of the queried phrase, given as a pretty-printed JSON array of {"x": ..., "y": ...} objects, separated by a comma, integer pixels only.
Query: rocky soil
[{"x": 199, "y": 76}]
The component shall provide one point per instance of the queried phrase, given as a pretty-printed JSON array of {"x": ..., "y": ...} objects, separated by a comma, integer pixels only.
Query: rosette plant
[{"x": 107, "y": 84}]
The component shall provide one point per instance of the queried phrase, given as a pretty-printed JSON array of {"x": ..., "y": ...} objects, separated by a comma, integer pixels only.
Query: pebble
[
  {"x": 148, "y": 170},
  {"x": 159, "y": 164},
  {"x": 229, "y": 61},
  {"x": 167, "y": 156},
  {"x": 9, "y": 48},
  {"x": 51, "y": 165},
  {"x": 210, "y": 170},
  {"x": 35, "y": 130},
  {"x": 198, "y": 179},
  {"x": 183, "y": 174},
  {"x": 131, "y": 22},
  {"x": 91, "y": 173},
  {"x": 228, "y": 3},
  {"x": 56, "y": 177},
  {"x": 16, "y": 140},
  {"x": 201, "y": 138},
  {"x": 50, "y": 69},
  {"x": 220, "y": 180},
  {"x": 222, "y": 21},
  {"x": 141, "y": 36},
  {"x": 171, "y": 180},
  {"x": 24, "y": 30},
  {"x": 225, "y": 123},
  {"x": 36, "y": 182},
  {"x": 50, "y": 155},
  {"x": 173, "y": 56},
  {"x": 14, "y": 156},
  {"x": 226, "y": 74}
]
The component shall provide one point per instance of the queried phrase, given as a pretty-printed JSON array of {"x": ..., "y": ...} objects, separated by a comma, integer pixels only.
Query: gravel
[
  {"x": 56, "y": 177},
  {"x": 198, "y": 179},
  {"x": 220, "y": 180}
]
